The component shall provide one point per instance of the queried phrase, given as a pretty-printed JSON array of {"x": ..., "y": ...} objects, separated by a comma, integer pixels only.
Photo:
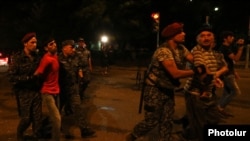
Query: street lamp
[
  {"x": 104, "y": 39},
  {"x": 156, "y": 17},
  {"x": 216, "y": 9}
]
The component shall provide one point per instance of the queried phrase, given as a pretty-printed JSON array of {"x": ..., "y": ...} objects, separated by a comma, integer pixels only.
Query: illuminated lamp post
[
  {"x": 104, "y": 40},
  {"x": 156, "y": 17}
]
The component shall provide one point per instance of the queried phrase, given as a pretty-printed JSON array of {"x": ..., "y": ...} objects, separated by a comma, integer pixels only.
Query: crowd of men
[
  {"x": 208, "y": 66},
  {"x": 57, "y": 80}
]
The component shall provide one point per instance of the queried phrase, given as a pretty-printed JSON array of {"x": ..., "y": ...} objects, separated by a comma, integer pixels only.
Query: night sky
[{"x": 232, "y": 14}]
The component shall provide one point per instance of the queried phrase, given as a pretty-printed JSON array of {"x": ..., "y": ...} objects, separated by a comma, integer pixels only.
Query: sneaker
[
  {"x": 130, "y": 137},
  {"x": 87, "y": 132}
]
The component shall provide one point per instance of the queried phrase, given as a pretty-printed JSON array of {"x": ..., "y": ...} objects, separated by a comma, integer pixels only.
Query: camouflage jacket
[
  {"x": 69, "y": 68},
  {"x": 157, "y": 74},
  {"x": 84, "y": 55},
  {"x": 21, "y": 70}
]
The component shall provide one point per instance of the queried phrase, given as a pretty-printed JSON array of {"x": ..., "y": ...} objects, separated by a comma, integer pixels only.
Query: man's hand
[
  {"x": 80, "y": 73},
  {"x": 237, "y": 76},
  {"x": 200, "y": 69},
  {"x": 218, "y": 83}
]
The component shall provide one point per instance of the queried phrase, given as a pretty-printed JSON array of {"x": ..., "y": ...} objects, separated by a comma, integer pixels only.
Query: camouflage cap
[
  {"x": 68, "y": 42},
  {"x": 80, "y": 39}
]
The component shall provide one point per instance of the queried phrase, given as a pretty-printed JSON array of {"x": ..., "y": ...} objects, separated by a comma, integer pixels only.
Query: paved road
[{"x": 113, "y": 106}]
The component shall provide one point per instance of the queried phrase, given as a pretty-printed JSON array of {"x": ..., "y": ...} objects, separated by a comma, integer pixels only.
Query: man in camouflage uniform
[
  {"x": 85, "y": 55},
  {"x": 26, "y": 87},
  {"x": 70, "y": 71},
  {"x": 165, "y": 69}
]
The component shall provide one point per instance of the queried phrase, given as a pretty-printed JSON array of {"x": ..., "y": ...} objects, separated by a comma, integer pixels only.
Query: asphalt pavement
[{"x": 112, "y": 105}]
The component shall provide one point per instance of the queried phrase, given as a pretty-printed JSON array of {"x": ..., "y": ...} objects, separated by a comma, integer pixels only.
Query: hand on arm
[
  {"x": 236, "y": 74},
  {"x": 80, "y": 73},
  {"x": 171, "y": 67}
]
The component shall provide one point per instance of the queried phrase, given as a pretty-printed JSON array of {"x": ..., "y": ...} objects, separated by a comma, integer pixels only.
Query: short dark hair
[
  {"x": 225, "y": 34},
  {"x": 68, "y": 42},
  {"x": 48, "y": 40}
]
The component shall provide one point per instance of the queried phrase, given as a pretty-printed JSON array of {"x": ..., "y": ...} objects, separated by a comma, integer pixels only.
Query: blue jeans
[
  {"x": 51, "y": 102},
  {"x": 230, "y": 90}
]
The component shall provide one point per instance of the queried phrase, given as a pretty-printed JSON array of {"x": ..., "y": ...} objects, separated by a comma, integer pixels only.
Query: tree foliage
[{"x": 127, "y": 20}]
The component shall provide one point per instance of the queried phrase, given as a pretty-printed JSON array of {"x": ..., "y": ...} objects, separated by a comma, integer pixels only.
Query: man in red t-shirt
[{"x": 48, "y": 70}]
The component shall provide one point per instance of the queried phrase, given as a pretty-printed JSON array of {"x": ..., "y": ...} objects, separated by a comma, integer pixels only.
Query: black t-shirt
[{"x": 226, "y": 51}]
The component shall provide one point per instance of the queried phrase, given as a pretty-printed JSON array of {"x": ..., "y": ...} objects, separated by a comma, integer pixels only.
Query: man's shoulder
[
  {"x": 17, "y": 55},
  {"x": 162, "y": 49},
  {"x": 196, "y": 48},
  {"x": 224, "y": 49}
]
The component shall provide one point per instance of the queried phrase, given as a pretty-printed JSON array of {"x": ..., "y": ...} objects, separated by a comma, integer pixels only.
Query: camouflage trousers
[
  {"x": 159, "y": 110},
  {"x": 29, "y": 104},
  {"x": 83, "y": 84},
  {"x": 71, "y": 102}
]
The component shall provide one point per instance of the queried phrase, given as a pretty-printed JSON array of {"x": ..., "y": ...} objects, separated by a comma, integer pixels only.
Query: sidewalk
[
  {"x": 116, "y": 99},
  {"x": 113, "y": 106}
]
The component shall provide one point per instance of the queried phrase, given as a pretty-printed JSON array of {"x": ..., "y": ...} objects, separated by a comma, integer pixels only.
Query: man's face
[
  {"x": 31, "y": 44},
  {"x": 205, "y": 39},
  {"x": 180, "y": 38},
  {"x": 51, "y": 47},
  {"x": 229, "y": 39},
  {"x": 81, "y": 44},
  {"x": 68, "y": 50}
]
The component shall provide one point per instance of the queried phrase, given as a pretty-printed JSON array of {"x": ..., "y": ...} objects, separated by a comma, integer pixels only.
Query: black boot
[{"x": 87, "y": 132}]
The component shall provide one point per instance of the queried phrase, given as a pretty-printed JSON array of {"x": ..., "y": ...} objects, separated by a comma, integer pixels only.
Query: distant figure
[
  {"x": 85, "y": 56},
  {"x": 105, "y": 58}
]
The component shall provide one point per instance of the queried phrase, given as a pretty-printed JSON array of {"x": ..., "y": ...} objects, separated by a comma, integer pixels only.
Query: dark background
[{"x": 128, "y": 23}]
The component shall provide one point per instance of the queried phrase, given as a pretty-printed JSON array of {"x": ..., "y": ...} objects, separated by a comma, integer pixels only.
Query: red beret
[
  {"x": 172, "y": 29},
  {"x": 28, "y": 36}
]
